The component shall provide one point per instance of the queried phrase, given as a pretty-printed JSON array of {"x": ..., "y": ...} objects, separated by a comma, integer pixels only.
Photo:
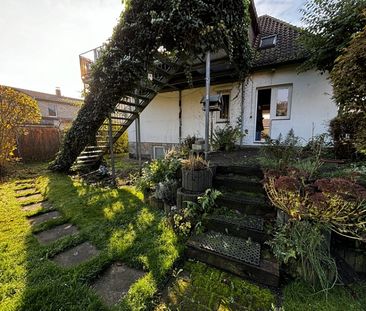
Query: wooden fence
[{"x": 40, "y": 143}]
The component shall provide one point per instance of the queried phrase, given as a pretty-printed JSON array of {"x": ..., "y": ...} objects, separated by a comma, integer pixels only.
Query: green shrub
[
  {"x": 224, "y": 139},
  {"x": 280, "y": 153},
  {"x": 186, "y": 144},
  {"x": 190, "y": 218},
  {"x": 157, "y": 171},
  {"x": 121, "y": 145},
  {"x": 344, "y": 130}
]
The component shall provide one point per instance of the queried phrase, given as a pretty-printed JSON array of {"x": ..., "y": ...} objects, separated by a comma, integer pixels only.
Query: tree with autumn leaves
[{"x": 16, "y": 111}]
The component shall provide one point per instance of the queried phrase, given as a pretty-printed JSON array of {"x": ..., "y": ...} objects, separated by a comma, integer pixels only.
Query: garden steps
[
  {"x": 236, "y": 231},
  {"x": 252, "y": 170},
  {"x": 248, "y": 205},
  {"x": 236, "y": 255},
  {"x": 239, "y": 182},
  {"x": 242, "y": 226}
]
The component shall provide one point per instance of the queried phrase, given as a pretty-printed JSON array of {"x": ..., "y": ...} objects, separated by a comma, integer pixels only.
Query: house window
[
  {"x": 281, "y": 102},
  {"x": 224, "y": 112},
  {"x": 52, "y": 111},
  {"x": 268, "y": 42},
  {"x": 159, "y": 152}
]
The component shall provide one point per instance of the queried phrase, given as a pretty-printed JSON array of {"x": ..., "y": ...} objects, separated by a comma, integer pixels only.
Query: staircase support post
[
  {"x": 110, "y": 138},
  {"x": 207, "y": 104},
  {"x": 138, "y": 136},
  {"x": 138, "y": 142}
]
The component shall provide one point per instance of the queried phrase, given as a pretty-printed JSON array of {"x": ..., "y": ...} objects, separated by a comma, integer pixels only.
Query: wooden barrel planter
[
  {"x": 183, "y": 197},
  {"x": 196, "y": 181}
]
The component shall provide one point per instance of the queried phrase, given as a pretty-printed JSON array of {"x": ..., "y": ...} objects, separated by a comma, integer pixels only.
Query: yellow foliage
[{"x": 16, "y": 111}]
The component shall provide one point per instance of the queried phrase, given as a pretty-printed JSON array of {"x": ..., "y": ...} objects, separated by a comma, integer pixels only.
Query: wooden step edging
[{"x": 266, "y": 273}]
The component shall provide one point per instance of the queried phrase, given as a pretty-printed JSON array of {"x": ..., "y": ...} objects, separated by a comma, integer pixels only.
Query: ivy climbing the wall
[{"x": 183, "y": 29}]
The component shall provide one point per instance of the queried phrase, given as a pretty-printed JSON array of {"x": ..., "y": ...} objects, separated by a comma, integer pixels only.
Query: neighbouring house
[
  {"x": 42, "y": 141},
  {"x": 275, "y": 99},
  {"x": 57, "y": 110}
]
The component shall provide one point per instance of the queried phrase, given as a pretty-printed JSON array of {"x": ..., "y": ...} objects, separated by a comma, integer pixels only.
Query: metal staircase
[{"x": 126, "y": 112}]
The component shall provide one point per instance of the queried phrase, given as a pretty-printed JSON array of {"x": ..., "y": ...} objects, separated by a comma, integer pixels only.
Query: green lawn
[
  {"x": 299, "y": 296},
  {"x": 117, "y": 222}
]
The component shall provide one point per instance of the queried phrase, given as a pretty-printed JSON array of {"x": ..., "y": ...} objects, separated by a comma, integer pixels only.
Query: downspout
[
  {"x": 242, "y": 111},
  {"x": 207, "y": 104},
  {"x": 180, "y": 117}
]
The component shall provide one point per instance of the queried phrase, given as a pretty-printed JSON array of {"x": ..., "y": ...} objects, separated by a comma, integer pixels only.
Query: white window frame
[
  {"x": 225, "y": 120},
  {"x": 269, "y": 46},
  {"x": 154, "y": 150},
  {"x": 274, "y": 94},
  {"x": 54, "y": 107}
]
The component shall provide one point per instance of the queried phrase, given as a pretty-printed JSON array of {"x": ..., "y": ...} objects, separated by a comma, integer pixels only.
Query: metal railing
[{"x": 86, "y": 60}]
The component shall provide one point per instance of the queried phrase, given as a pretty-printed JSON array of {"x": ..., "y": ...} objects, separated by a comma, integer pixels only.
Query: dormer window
[{"x": 268, "y": 42}]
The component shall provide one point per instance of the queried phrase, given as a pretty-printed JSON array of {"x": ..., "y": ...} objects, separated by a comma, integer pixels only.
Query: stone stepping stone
[
  {"x": 39, "y": 219},
  {"x": 115, "y": 282},
  {"x": 76, "y": 255},
  {"x": 36, "y": 206},
  {"x": 24, "y": 187},
  {"x": 53, "y": 234},
  {"x": 31, "y": 197},
  {"x": 26, "y": 191},
  {"x": 24, "y": 181}
]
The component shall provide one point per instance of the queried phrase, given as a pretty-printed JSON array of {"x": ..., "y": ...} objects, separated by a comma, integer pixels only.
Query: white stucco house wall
[{"x": 275, "y": 98}]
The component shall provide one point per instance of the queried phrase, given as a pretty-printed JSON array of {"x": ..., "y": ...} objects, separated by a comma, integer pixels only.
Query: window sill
[{"x": 222, "y": 121}]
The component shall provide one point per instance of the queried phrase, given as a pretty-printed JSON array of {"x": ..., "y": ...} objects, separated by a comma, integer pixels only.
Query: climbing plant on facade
[{"x": 147, "y": 30}]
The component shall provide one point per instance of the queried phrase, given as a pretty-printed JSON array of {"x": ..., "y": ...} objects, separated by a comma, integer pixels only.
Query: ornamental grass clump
[{"x": 195, "y": 163}]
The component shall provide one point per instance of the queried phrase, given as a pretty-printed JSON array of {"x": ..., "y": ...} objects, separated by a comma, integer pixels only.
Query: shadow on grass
[{"x": 120, "y": 225}]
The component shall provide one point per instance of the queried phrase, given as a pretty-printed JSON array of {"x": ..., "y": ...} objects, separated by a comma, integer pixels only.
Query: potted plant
[{"x": 196, "y": 174}]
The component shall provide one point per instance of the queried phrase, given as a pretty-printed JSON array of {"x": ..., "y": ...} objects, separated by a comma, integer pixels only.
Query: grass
[
  {"x": 299, "y": 296},
  {"x": 199, "y": 287},
  {"x": 116, "y": 221}
]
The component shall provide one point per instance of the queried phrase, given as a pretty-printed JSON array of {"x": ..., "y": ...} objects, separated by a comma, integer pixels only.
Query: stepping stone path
[
  {"x": 55, "y": 233},
  {"x": 31, "y": 197},
  {"x": 39, "y": 219},
  {"x": 35, "y": 206},
  {"x": 25, "y": 190},
  {"x": 115, "y": 282},
  {"x": 76, "y": 255}
]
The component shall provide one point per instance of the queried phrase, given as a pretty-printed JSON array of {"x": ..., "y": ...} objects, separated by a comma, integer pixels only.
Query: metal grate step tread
[
  {"x": 244, "y": 221},
  {"x": 236, "y": 248}
]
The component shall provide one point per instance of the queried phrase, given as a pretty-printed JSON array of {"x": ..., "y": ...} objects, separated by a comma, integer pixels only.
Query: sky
[{"x": 40, "y": 40}]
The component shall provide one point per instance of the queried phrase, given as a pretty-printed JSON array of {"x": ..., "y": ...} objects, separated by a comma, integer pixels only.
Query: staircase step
[
  {"x": 245, "y": 204},
  {"x": 240, "y": 170},
  {"x": 242, "y": 226},
  {"x": 93, "y": 152},
  {"x": 142, "y": 97},
  {"x": 119, "y": 118},
  {"x": 95, "y": 148},
  {"x": 87, "y": 157},
  {"x": 236, "y": 255},
  {"x": 126, "y": 111},
  {"x": 239, "y": 182},
  {"x": 124, "y": 102}
]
